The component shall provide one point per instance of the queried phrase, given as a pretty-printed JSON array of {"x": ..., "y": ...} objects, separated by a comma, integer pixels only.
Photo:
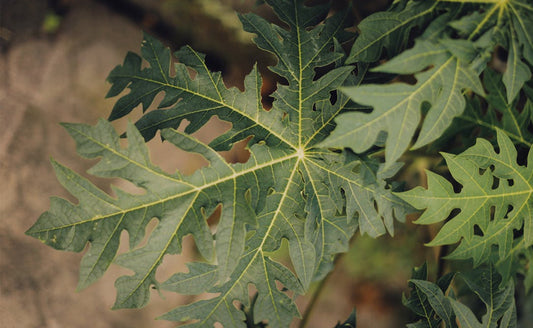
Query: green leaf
[
  {"x": 497, "y": 297},
  {"x": 427, "y": 300},
  {"x": 508, "y": 24},
  {"x": 444, "y": 66},
  {"x": 397, "y": 107},
  {"x": 494, "y": 198},
  {"x": 436, "y": 300},
  {"x": 200, "y": 278},
  {"x": 513, "y": 122},
  {"x": 500, "y": 115},
  {"x": 289, "y": 189},
  {"x": 389, "y": 29}
]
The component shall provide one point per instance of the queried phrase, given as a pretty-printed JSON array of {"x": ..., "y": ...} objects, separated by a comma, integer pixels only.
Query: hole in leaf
[
  {"x": 333, "y": 97},
  {"x": 478, "y": 231},
  {"x": 457, "y": 188},
  {"x": 121, "y": 186},
  {"x": 501, "y": 54},
  {"x": 362, "y": 109},
  {"x": 214, "y": 217},
  {"x": 173, "y": 263},
  {"x": 171, "y": 159},
  {"x": 321, "y": 71},
  {"x": 453, "y": 213},
  {"x": 282, "y": 80},
  {"x": 509, "y": 209},
  {"x": 495, "y": 182},
  {"x": 335, "y": 150},
  {"x": 267, "y": 88},
  {"x": 510, "y": 182},
  {"x": 239, "y": 153},
  {"x": 530, "y": 127},
  {"x": 215, "y": 63}
]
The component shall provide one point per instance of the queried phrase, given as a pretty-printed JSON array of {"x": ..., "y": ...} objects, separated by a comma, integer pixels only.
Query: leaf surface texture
[{"x": 289, "y": 189}]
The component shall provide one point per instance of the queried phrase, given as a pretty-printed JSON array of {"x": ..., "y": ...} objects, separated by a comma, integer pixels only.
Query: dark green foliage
[
  {"x": 323, "y": 162},
  {"x": 432, "y": 307}
]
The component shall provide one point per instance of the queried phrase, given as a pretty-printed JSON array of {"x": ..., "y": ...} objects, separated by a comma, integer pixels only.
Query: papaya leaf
[
  {"x": 389, "y": 29},
  {"x": 397, "y": 107},
  {"x": 444, "y": 66},
  {"x": 288, "y": 189},
  {"x": 427, "y": 299},
  {"x": 494, "y": 200},
  {"x": 432, "y": 307},
  {"x": 498, "y": 298},
  {"x": 499, "y": 115},
  {"x": 507, "y": 24},
  {"x": 513, "y": 122}
]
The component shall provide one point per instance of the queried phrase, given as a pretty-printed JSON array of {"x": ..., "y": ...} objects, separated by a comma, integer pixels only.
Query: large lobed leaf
[
  {"x": 288, "y": 189},
  {"x": 494, "y": 201}
]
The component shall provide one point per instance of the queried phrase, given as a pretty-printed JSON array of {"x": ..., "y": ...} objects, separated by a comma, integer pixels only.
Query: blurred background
[{"x": 54, "y": 59}]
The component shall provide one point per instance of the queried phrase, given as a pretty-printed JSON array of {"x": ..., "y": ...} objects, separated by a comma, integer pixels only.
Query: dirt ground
[{"x": 45, "y": 80}]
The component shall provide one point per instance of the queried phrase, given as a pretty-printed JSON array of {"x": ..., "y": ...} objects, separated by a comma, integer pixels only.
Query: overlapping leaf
[
  {"x": 397, "y": 107},
  {"x": 427, "y": 300},
  {"x": 508, "y": 24},
  {"x": 432, "y": 307},
  {"x": 495, "y": 199},
  {"x": 288, "y": 189},
  {"x": 389, "y": 29},
  {"x": 498, "y": 298},
  {"x": 514, "y": 122},
  {"x": 444, "y": 67},
  {"x": 499, "y": 115}
]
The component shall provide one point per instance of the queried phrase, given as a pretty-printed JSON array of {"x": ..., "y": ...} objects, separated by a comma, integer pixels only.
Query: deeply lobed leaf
[
  {"x": 289, "y": 189},
  {"x": 494, "y": 198}
]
